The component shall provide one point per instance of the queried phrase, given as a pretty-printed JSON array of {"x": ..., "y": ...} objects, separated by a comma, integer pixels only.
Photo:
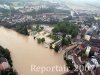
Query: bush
[
  {"x": 70, "y": 64},
  {"x": 43, "y": 40},
  {"x": 5, "y": 53},
  {"x": 9, "y": 72},
  {"x": 66, "y": 27},
  {"x": 66, "y": 41},
  {"x": 56, "y": 48},
  {"x": 40, "y": 40},
  {"x": 22, "y": 29}
]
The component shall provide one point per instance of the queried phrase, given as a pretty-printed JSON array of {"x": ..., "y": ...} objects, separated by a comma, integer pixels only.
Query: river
[{"x": 26, "y": 52}]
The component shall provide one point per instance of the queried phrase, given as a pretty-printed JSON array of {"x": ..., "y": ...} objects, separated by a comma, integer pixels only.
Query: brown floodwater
[{"x": 26, "y": 52}]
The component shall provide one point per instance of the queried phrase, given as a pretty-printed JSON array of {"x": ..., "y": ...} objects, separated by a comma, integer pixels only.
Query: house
[
  {"x": 92, "y": 64},
  {"x": 4, "y": 64},
  {"x": 95, "y": 42},
  {"x": 56, "y": 43},
  {"x": 88, "y": 49},
  {"x": 87, "y": 37},
  {"x": 97, "y": 18}
]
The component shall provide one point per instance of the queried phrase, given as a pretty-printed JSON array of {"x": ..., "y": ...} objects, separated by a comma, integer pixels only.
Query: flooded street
[{"x": 26, "y": 52}]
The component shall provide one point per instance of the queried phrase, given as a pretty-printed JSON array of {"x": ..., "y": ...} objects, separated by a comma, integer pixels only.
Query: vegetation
[
  {"x": 6, "y": 54},
  {"x": 66, "y": 28},
  {"x": 70, "y": 64},
  {"x": 40, "y": 40},
  {"x": 83, "y": 55},
  {"x": 43, "y": 40},
  {"x": 56, "y": 48},
  {"x": 66, "y": 41},
  {"x": 22, "y": 29},
  {"x": 48, "y": 10},
  {"x": 51, "y": 45},
  {"x": 9, "y": 72},
  {"x": 38, "y": 28}
]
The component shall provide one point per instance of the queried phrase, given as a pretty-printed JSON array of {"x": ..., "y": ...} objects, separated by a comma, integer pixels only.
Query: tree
[
  {"x": 65, "y": 41},
  {"x": 22, "y": 29},
  {"x": 70, "y": 64},
  {"x": 9, "y": 72},
  {"x": 56, "y": 48},
  {"x": 66, "y": 27},
  {"x": 91, "y": 54},
  {"x": 6, "y": 53},
  {"x": 69, "y": 40},
  {"x": 43, "y": 40},
  {"x": 64, "y": 35},
  {"x": 39, "y": 40},
  {"x": 74, "y": 32}
]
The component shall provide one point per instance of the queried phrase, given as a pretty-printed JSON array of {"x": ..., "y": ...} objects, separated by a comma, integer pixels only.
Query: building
[
  {"x": 56, "y": 43},
  {"x": 4, "y": 64}
]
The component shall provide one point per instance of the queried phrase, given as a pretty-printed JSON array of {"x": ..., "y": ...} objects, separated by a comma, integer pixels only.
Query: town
[{"x": 74, "y": 33}]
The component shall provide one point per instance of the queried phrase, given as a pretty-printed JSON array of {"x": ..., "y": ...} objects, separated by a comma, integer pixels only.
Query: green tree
[
  {"x": 56, "y": 48},
  {"x": 22, "y": 29},
  {"x": 39, "y": 41},
  {"x": 66, "y": 27},
  {"x": 6, "y": 53},
  {"x": 9, "y": 72},
  {"x": 70, "y": 64},
  {"x": 65, "y": 41},
  {"x": 43, "y": 40},
  {"x": 69, "y": 40}
]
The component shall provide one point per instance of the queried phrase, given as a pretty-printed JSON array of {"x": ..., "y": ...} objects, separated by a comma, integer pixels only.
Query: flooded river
[{"x": 26, "y": 52}]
